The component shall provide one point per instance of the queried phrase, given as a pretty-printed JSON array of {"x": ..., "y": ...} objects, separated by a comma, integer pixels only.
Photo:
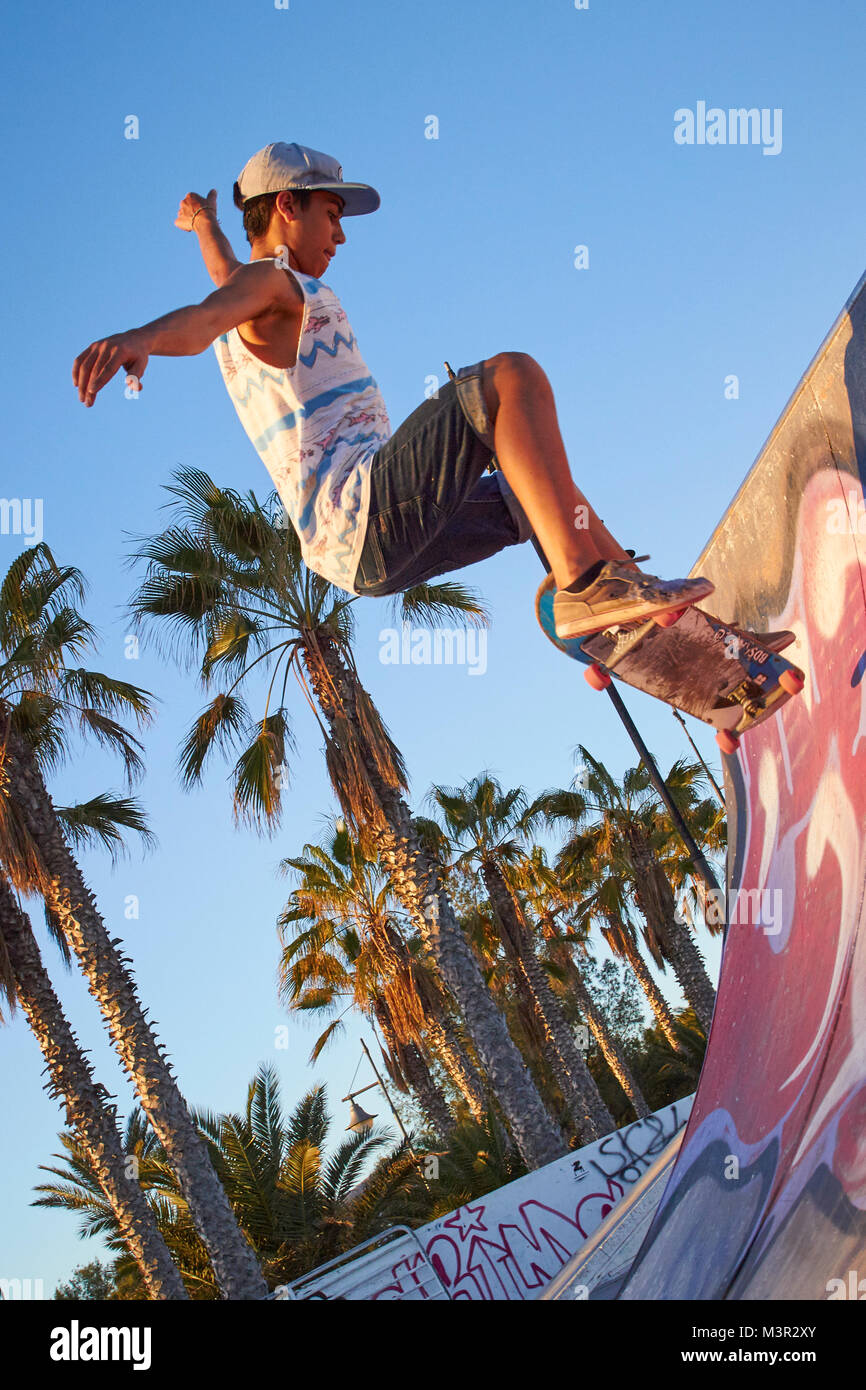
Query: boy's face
[{"x": 314, "y": 233}]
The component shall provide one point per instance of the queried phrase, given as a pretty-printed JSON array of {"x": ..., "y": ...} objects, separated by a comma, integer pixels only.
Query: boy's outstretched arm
[
  {"x": 251, "y": 290},
  {"x": 199, "y": 215}
]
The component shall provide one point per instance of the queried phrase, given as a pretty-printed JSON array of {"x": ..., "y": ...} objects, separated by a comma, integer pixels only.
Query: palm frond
[
  {"x": 219, "y": 726},
  {"x": 102, "y": 820},
  {"x": 117, "y": 739},
  {"x": 258, "y": 772},
  {"x": 442, "y": 602}
]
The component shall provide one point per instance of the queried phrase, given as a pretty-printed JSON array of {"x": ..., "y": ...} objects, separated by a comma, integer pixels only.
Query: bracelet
[{"x": 195, "y": 215}]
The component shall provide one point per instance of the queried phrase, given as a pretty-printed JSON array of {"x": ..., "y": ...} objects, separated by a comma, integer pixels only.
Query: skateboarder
[{"x": 377, "y": 512}]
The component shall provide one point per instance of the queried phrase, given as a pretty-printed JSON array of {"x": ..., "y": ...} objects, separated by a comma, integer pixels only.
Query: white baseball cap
[{"x": 281, "y": 166}]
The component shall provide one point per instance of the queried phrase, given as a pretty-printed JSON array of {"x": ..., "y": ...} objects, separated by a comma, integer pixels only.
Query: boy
[{"x": 377, "y": 512}]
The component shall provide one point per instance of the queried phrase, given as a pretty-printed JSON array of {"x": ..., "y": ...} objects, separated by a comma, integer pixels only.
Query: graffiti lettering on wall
[{"x": 510, "y": 1244}]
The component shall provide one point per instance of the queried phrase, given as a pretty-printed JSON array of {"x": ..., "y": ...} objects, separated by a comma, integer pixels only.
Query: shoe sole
[{"x": 626, "y": 613}]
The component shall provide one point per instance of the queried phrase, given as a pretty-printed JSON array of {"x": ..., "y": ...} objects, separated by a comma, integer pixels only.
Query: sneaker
[{"x": 622, "y": 594}]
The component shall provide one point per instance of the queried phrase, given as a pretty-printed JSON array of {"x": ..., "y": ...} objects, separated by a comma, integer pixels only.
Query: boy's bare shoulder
[
  {"x": 273, "y": 333},
  {"x": 268, "y": 272}
]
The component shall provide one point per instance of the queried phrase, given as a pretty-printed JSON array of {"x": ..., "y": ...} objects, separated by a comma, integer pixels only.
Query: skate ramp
[
  {"x": 600, "y": 1267},
  {"x": 767, "y": 1198}
]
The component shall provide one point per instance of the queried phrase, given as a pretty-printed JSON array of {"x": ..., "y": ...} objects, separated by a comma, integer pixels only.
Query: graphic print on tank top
[{"x": 316, "y": 427}]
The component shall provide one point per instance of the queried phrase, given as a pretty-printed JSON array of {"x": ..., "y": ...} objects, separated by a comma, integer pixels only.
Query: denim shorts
[{"x": 434, "y": 507}]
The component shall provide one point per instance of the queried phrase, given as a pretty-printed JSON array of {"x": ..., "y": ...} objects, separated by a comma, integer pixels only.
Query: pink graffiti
[
  {"x": 791, "y": 1000},
  {"x": 513, "y": 1259}
]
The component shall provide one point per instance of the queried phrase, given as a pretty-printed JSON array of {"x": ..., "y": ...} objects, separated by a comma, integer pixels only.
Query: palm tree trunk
[
  {"x": 430, "y": 1096},
  {"x": 589, "y": 1112},
  {"x": 408, "y": 1058},
  {"x": 432, "y": 1028},
  {"x": 656, "y": 1000},
  {"x": 610, "y": 1048},
  {"x": 417, "y": 884},
  {"x": 536, "y": 1046},
  {"x": 609, "y": 1044},
  {"x": 73, "y": 907},
  {"x": 464, "y": 1074},
  {"x": 656, "y": 901},
  {"x": 71, "y": 1080},
  {"x": 688, "y": 963},
  {"x": 443, "y": 1039}
]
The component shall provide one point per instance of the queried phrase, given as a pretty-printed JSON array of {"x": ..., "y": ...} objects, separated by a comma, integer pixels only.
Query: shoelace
[{"x": 641, "y": 583}]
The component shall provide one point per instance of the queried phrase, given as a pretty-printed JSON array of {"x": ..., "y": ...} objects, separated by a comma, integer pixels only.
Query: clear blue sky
[{"x": 555, "y": 130}]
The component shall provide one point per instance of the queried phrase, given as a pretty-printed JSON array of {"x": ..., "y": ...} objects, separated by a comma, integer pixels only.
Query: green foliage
[
  {"x": 88, "y": 1282},
  {"x": 664, "y": 1075},
  {"x": 618, "y": 997},
  {"x": 41, "y": 633},
  {"x": 477, "y": 1161},
  {"x": 297, "y": 1204}
]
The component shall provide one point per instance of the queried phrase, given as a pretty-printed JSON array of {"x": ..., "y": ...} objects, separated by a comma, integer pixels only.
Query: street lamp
[{"x": 359, "y": 1120}]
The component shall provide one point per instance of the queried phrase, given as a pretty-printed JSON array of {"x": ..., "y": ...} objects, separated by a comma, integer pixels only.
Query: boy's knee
[
  {"x": 508, "y": 369},
  {"x": 519, "y": 363}
]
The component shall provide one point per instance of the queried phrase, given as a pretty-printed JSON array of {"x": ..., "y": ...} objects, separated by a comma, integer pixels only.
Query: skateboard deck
[{"x": 730, "y": 678}]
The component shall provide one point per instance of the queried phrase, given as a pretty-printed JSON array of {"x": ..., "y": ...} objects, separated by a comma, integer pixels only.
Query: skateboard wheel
[
  {"x": 792, "y": 682},
  {"x": 597, "y": 678},
  {"x": 668, "y": 619},
  {"x": 728, "y": 742}
]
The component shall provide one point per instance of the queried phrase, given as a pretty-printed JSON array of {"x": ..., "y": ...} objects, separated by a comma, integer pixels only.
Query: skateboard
[{"x": 730, "y": 678}]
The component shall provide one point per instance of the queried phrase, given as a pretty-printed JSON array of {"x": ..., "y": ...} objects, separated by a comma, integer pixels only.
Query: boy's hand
[
  {"x": 96, "y": 365},
  {"x": 249, "y": 292},
  {"x": 190, "y": 205}
]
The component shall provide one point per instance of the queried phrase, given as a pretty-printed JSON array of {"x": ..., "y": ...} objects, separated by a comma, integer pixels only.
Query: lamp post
[
  {"x": 716, "y": 788},
  {"x": 360, "y": 1121}
]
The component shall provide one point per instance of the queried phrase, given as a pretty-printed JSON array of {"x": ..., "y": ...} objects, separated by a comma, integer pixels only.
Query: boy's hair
[{"x": 257, "y": 212}]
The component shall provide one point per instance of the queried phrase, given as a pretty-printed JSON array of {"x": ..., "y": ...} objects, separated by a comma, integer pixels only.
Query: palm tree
[
  {"x": 541, "y": 886},
  {"x": 41, "y": 698},
  {"x": 632, "y": 814},
  {"x": 347, "y": 902},
  {"x": 511, "y": 991},
  {"x": 231, "y": 582},
  {"x": 327, "y": 962},
  {"x": 476, "y": 1162},
  {"x": 24, "y": 980},
  {"x": 298, "y": 1206},
  {"x": 593, "y": 870},
  {"x": 668, "y": 1076},
  {"x": 487, "y": 827}
]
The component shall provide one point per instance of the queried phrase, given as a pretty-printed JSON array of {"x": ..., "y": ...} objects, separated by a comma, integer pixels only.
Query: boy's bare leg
[{"x": 531, "y": 454}]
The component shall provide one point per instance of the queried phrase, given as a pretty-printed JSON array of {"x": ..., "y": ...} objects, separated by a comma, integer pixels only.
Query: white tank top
[{"x": 316, "y": 427}]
